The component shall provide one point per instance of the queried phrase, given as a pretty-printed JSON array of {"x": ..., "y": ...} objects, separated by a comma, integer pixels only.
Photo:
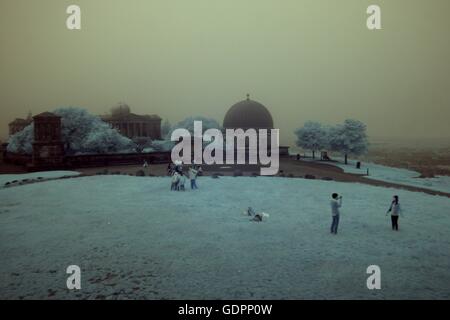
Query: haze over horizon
[{"x": 303, "y": 59}]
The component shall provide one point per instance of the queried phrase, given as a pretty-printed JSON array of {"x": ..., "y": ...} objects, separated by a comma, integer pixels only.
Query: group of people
[
  {"x": 179, "y": 176},
  {"x": 336, "y": 203}
]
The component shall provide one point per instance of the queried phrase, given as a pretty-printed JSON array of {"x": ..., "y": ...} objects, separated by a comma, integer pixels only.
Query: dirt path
[
  {"x": 288, "y": 167},
  {"x": 298, "y": 169}
]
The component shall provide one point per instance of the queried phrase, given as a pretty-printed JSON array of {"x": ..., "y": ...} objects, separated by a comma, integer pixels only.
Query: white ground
[
  {"x": 396, "y": 175},
  {"x": 4, "y": 178},
  {"x": 135, "y": 239}
]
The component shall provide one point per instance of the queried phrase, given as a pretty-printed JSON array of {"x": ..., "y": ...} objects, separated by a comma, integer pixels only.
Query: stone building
[
  {"x": 48, "y": 148},
  {"x": 19, "y": 124},
  {"x": 132, "y": 125}
]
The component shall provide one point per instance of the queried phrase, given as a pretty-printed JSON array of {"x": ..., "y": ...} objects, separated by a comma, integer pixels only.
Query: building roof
[
  {"x": 130, "y": 117},
  {"x": 20, "y": 121},
  {"x": 248, "y": 114},
  {"x": 46, "y": 115}
]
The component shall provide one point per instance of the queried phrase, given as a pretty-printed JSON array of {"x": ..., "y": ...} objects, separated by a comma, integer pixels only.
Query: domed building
[{"x": 248, "y": 114}]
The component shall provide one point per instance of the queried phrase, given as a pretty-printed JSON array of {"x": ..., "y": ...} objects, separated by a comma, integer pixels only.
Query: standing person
[
  {"x": 336, "y": 203},
  {"x": 193, "y": 177},
  {"x": 175, "y": 181},
  {"x": 395, "y": 211},
  {"x": 169, "y": 169},
  {"x": 146, "y": 166},
  {"x": 181, "y": 182}
]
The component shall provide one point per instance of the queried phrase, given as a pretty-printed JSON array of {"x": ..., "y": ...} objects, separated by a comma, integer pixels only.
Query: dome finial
[{"x": 248, "y": 96}]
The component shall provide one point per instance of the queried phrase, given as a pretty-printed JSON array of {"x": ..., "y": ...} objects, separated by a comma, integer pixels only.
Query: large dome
[{"x": 248, "y": 114}]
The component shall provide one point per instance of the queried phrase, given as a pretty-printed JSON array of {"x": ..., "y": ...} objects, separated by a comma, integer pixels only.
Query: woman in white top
[{"x": 395, "y": 211}]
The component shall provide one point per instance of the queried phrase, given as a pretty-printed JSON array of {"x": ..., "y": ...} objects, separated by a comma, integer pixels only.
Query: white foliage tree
[
  {"x": 106, "y": 140},
  {"x": 312, "y": 136},
  {"x": 166, "y": 144},
  {"x": 22, "y": 141},
  {"x": 81, "y": 132},
  {"x": 349, "y": 138},
  {"x": 188, "y": 124},
  {"x": 77, "y": 126},
  {"x": 162, "y": 145}
]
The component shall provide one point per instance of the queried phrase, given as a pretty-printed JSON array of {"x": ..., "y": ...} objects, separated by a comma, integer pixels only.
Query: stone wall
[{"x": 87, "y": 161}]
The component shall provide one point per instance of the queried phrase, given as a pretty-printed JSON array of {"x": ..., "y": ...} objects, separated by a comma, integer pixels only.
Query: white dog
[{"x": 258, "y": 217}]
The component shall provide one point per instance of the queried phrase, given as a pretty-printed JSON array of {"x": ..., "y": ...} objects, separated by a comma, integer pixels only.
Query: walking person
[
  {"x": 193, "y": 177},
  {"x": 336, "y": 203},
  {"x": 395, "y": 211}
]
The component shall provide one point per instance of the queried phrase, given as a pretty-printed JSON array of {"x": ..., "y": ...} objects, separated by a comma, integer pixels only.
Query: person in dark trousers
[
  {"x": 181, "y": 182},
  {"x": 193, "y": 177},
  {"x": 336, "y": 203},
  {"x": 395, "y": 211}
]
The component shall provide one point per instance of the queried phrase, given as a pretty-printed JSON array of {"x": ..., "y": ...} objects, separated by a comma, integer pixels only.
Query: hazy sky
[{"x": 303, "y": 59}]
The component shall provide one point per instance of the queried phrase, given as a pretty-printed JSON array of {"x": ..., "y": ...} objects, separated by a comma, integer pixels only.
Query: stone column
[{"x": 145, "y": 129}]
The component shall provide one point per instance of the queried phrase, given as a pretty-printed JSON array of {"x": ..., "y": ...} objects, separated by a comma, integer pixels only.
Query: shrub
[{"x": 140, "y": 173}]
